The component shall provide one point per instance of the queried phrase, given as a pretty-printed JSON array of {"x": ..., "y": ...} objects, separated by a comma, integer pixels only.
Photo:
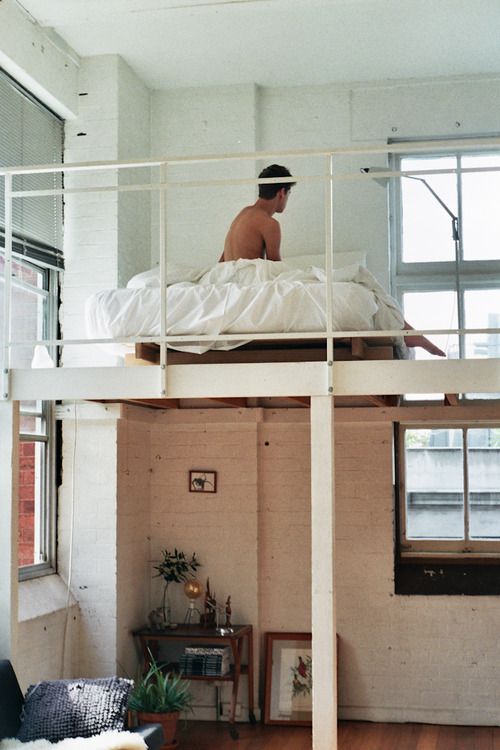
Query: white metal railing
[{"x": 329, "y": 177}]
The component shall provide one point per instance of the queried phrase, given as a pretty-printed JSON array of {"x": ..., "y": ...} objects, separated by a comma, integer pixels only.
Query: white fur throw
[{"x": 113, "y": 740}]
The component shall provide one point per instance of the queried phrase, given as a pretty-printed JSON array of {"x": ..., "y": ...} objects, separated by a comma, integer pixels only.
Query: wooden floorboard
[{"x": 353, "y": 735}]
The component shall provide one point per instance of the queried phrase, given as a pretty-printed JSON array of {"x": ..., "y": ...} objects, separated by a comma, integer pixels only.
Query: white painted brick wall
[
  {"x": 199, "y": 121},
  {"x": 40, "y": 654},
  {"x": 88, "y": 503},
  {"x": 107, "y": 235},
  {"x": 134, "y": 216},
  {"x": 93, "y": 135},
  {"x": 28, "y": 54}
]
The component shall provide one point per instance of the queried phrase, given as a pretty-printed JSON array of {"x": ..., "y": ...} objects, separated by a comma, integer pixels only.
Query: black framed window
[{"x": 448, "y": 508}]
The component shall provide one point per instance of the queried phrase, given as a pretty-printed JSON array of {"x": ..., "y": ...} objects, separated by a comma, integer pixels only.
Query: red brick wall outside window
[
  {"x": 27, "y": 478},
  {"x": 26, "y": 311}
]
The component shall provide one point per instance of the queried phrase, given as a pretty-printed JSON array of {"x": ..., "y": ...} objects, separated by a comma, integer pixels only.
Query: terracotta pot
[{"x": 168, "y": 722}]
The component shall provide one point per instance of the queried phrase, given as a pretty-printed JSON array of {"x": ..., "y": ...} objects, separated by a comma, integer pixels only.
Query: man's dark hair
[{"x": 269, "y": 190}]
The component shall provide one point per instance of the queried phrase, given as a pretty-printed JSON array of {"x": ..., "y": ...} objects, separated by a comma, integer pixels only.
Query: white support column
[
  {"x": 324, "y": 628},
  {"x": 9, "y": 472}
]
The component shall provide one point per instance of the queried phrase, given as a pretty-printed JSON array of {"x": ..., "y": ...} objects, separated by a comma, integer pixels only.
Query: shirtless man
[{"x": 254, "y": 233}]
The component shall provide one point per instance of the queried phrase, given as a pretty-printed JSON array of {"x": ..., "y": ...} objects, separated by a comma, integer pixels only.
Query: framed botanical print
[{"x": 288, "y": 689}]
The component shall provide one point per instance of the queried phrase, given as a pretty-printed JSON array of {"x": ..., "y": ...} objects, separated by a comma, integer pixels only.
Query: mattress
[{"x": 244, "y": 297}]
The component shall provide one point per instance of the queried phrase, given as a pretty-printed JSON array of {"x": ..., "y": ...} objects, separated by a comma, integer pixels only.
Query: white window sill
[{"x": 43, "y": 596}]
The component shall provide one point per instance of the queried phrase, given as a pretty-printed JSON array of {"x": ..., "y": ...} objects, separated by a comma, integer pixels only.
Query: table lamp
[{"x": 193, "y": 590}]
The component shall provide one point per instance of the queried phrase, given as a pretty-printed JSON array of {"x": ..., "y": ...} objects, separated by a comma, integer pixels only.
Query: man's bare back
[{"x": 253, "y": 234}]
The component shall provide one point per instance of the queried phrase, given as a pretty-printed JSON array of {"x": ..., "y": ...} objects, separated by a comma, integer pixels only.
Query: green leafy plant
[
  {"x": 175, "y": 567},
  {"x": 160, "y": 692}
]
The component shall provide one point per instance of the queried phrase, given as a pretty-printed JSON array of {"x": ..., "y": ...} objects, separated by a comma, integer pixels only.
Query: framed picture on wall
[
  {"x": 201, "y": 480},
  {"x": 288, "y": 673}
]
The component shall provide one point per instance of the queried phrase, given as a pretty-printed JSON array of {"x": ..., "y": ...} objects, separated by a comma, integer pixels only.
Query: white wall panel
[{"x": 414, "y": 109}]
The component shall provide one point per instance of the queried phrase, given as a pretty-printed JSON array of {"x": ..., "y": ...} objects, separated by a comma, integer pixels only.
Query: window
[
  {"x": 32, "y": 134},
  {"x": 450, "y": 489},
  {"x": 34, "y": 317},
  {"x": 448, "y": 504},
  {"x": 446, "y": 247}
]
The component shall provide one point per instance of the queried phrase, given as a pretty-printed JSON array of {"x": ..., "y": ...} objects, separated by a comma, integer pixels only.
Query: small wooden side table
[{"x": 150, "y": 640}]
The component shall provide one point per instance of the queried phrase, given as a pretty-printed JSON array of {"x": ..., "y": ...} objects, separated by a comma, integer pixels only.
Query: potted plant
[
  {"x": 159, "y": 697},
  {"x": 175, "y": 567}
]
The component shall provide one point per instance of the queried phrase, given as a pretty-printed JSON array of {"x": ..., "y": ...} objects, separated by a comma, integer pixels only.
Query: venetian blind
[{"x": 30, "y": 134}]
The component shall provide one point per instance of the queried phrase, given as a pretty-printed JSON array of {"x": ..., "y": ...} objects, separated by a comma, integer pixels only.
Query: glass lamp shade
[{"x": 193, "y": 589}]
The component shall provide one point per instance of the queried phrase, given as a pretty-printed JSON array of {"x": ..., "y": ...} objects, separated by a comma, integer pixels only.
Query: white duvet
[{"x": 243, "y": 297}]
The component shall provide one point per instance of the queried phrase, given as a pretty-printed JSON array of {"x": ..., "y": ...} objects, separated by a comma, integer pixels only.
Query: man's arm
[{"x": 271, "y": 234}]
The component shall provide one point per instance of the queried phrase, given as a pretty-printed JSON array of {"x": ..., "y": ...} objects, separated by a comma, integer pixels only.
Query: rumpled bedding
[{"x": 245, "y": 297}]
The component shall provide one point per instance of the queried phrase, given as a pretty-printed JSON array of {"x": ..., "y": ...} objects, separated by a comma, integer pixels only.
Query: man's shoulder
[{"x": 265, "y": 218}]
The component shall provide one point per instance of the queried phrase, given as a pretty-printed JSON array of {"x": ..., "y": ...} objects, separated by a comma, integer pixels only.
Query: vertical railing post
[
  {"x": 7, "y": 300},
  {"x": 9, "y": 499},
  {"x": 329, "y": 266},
  {"x": 163, "y": 277}
]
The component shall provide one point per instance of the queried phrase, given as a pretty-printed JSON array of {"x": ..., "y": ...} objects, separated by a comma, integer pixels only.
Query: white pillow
[
  {"x": 176, "y": 272},
  {"x": 340, "y": 260},
  {"x": 146, "y": 278}
]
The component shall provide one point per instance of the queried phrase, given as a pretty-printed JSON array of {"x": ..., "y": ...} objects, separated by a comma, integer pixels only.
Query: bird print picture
[
  {"x": 288, "y": 679},
  {"x": 302, "y": 676},
  {"x": 296, "y": 682}
]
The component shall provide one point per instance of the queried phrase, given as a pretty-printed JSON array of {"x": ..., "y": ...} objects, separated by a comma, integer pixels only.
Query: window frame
[
  {"x": 33, "y": 133},
  {"x": 46, "y": 433},
  {"x": 45, "y": 518},
  {"x": 432, "y": 276},
  {"x": 463, "y": 550}
]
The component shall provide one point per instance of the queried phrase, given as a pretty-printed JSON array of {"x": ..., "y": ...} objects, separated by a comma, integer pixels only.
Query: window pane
[
  {"x": 482, "y": 310},
  {"x": 483, "y": 454},
  {"x": 27, "y": 322},
  {"x": 31, "y": 407},
  {"x": 434, "y": 484},
  {"x": 425, "y": 310},
  {"x": 30, "y": 424},
  {"x": 480, "y": 215},
  {"x": 28, "y": 310},
  {"x": 426, "y": 226},
  {"x": 31, "y": 479},
  {"x": 28, "y": 275}
]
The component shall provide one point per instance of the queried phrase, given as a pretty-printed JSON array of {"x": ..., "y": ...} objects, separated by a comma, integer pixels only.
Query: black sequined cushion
[{"x": 54, "y": 710}]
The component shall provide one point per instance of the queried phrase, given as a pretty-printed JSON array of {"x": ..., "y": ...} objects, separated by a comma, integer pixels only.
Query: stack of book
[{"x": 206, "y": 661}]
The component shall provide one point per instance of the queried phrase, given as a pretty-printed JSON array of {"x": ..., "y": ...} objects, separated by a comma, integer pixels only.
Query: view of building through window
[{"x": 451, "y": 488}]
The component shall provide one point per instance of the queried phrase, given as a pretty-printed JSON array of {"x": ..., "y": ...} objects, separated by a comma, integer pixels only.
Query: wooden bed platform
[{"x": 297, "y": 350}]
